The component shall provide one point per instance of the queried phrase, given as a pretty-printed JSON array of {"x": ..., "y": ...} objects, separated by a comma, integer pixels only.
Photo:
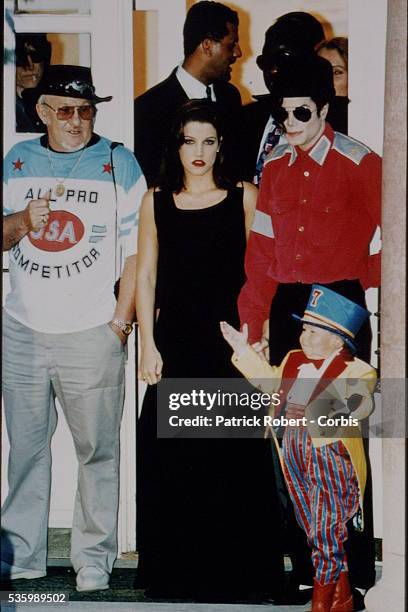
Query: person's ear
[
  {"x": 41, "y": 113},
  {"x": 324, "y": 110},
  {"x": 207, "y": 46},
  {"x": 338, "y": 342}
]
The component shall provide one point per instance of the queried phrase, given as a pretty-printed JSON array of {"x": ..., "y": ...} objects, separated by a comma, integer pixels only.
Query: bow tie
[
  {"x": 311, "y": 369},
  {"x": 316, "y": 362}
]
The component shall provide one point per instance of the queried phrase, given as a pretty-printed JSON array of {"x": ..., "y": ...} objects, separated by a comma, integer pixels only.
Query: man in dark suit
[
  {"x": 211, "y": 46},
  {"x": 295, "y": 33}
]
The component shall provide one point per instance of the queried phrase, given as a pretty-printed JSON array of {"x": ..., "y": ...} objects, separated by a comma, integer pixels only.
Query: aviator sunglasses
[
  {"x": 67, "y": 112},
  {"x": 301, "y": 113}
]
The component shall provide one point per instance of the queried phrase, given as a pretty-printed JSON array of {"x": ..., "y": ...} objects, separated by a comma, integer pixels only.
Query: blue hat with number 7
[{"x": 335, "y": 313}]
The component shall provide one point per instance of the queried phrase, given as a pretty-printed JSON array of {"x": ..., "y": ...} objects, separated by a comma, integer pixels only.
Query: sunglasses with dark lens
[
  {"x": 36, "y": 58},
  {"x": 64, "y": 113},
  {"x": 301, "y": 113}
]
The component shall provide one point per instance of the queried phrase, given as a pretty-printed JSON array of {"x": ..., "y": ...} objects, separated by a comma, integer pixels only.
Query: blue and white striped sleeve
[
  {"x": 130, "y": 189},
  {"x": 8, "y": 207}
]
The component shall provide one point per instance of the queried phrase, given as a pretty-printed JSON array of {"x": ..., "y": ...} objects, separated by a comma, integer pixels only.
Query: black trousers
[{"x": 284, "y": 332}]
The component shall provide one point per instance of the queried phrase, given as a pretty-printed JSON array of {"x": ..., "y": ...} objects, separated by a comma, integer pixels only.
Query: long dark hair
[
  {"x": 171, "y": 176},
  {"x": 339, "y": 44}
]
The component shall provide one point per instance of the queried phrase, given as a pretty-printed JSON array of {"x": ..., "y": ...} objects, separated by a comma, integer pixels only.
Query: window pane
[
  {"x": 34, "y": 53},
  {"x": 53, "y": 6}
]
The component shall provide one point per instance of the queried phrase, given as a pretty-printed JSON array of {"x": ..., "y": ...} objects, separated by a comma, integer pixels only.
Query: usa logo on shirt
[{"x": 63, "y": 231}]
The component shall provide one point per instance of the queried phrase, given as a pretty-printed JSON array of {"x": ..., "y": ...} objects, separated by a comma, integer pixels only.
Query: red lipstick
[{"x": 199, "y": 163}]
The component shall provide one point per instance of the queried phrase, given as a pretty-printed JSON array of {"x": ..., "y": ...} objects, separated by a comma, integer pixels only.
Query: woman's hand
[
  {"x": 236, "y": 339},
  {"x": 151, "y": 365}
]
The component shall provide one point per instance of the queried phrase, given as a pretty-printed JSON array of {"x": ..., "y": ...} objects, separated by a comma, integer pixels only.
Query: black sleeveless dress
[{"x": 208, "y": 522}]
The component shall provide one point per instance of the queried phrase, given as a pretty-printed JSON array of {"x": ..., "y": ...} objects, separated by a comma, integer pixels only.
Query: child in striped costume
[{"x": 326, "y": 392}]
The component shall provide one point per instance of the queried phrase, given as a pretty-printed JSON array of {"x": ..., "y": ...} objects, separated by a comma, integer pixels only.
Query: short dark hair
[
  {"x": 206, "y": 20},
  {"x": 171, "y": 175},
  {"x": 307, "y": 76}
]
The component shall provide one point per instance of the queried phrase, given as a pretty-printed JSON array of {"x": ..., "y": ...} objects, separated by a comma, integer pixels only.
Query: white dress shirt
[{"x": 194, "y": 88}]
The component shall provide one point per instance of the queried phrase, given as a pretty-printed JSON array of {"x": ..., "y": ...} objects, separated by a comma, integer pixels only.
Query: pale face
[
  {"x": 340, "y": 73},
  {"x": 199, "y": 150},
  {"x": 28, "y": 76},
  {"x": 224, "y": 54},
  {"x": 65, "y": 135},
  {"x": 301, "y": 134},
  {"x": 318, "y": 343}
]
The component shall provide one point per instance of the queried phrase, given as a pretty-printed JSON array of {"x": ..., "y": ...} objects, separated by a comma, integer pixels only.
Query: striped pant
[{"x": 324, "y": 490}]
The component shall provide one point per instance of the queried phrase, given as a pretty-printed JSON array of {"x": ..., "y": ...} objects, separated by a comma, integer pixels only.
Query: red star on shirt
[
  {"x": 18, "y": 164},
  {"x": 107, "y": 168}
]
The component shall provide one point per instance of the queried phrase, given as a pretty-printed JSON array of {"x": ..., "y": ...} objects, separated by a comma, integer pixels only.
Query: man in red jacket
[{"x": 318, "y": 209}]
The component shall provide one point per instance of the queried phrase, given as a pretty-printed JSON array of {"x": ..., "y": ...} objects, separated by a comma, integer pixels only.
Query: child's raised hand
[{"x": 236, "y": 339}]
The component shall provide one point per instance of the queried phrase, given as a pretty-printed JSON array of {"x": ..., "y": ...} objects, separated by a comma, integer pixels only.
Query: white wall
[
  {"x": 166, "y": 32},
  {"x": 367, "y": 39},
  {"x": 368, "y": 19}
]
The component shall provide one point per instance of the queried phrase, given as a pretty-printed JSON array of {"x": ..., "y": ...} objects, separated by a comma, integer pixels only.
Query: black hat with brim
[
  {"x": 294, "y": 33},
  {"x": 30, "y": 44},
  {"x": 69, "y": 81}
]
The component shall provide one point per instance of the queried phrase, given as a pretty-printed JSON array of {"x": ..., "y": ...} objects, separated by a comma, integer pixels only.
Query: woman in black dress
[{"x": 207, "y": 524}]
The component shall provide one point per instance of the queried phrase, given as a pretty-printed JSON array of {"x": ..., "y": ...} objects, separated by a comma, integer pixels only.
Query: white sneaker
[
  {"x": 12, "y": 572},
  {"x": 90, "y": 578}
]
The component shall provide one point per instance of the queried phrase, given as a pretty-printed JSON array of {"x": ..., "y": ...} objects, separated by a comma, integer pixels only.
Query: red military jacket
[{"x": 316, "y": 214}]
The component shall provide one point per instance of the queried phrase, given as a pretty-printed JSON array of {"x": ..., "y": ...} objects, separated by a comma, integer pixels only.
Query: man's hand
[
  {"x": 236, "y": 339},
  {"x": 122, "y": 337},
  {"x": 32, "y": 218},
  {"x": 262, "y": 346},
  {"x": 37, "y": 213}
]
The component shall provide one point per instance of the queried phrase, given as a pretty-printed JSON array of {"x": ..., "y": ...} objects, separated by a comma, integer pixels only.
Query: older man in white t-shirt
[{"x": 71, "y": 201}]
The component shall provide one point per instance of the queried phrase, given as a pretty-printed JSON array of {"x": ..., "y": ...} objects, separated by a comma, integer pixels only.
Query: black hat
[
  {"x": 35, "y": 45},
  {"x": 306, "y": 76},
  {"x": 292, "y": 34},
  {"x": 69, "y": 81}
]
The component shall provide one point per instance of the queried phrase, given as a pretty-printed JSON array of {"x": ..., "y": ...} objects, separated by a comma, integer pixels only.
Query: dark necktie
[
  {"x": 272, "y": 139},
  {"x": 208, "y": 92}
]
